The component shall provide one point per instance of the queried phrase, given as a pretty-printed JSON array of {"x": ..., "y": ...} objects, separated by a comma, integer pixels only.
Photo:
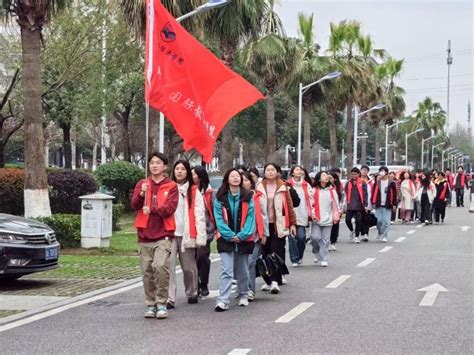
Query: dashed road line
[
  {"x": 399, "y": 240},
  {"x": 384, "y": 250},
  {"x": 412, "y": 231},
  {"x": 239, "y": 352},
  {"x": 366, "y": 262},
  {"x": 420, "y": 226},
  {"x": 295, "y": 312},
  {"x": 339, "y": 281}
]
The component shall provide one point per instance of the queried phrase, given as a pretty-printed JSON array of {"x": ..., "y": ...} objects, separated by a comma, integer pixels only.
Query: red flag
[{"x": 190, "y": 85}]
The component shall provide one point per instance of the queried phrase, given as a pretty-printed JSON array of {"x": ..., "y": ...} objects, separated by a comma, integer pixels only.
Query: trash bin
[{"x": 96, "y": 220}]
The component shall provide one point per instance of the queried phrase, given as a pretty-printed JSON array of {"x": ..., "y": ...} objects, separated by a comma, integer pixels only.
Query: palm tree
[
  {"x": 32, "y": 16},
  {"x": 271, "y": 58},
  {"x": 430, "y": 116}
]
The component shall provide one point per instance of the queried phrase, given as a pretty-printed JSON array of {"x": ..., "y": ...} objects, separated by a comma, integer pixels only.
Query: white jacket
[
  {"x": 199, "y": 216},
  {"x": 431, "y": 190}
]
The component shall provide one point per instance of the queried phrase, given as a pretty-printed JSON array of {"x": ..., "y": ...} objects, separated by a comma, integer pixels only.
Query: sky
[{"x": 415, "y": 30}]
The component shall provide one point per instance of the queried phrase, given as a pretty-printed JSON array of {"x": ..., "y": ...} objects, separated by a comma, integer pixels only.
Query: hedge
[
  {"x": 67, "y": 228},
  {"x": 12, "y": 181}
]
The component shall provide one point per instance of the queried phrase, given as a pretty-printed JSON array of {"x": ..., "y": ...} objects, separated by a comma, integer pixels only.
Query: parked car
[
  {"x": 215, "y": 181},
  {"x": 26, "y": 246}
]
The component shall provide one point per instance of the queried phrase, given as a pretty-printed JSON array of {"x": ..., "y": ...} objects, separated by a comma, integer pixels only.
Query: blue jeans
[
  {"x": 383, "y": 220},
  {"x": 252, "y": 266},
  {"x": 297, "y": 245},
  {"x": 227, "y": 274},
  {"x": 321, "y": 238}
]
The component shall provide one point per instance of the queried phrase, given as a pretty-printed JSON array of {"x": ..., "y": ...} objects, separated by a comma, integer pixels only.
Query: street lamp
[
  {"x": 442, "y": 156},
  {"x": 450, "y": 157},
  {"x": 356, "y": 125},
  {"x": 432, "y": 153},
  {"x": 211, "y": 4},
  {"x": 288, "y": 148},
  {"x": 387, "y": 127},
  {"x": 319, "y": 157},
  {"x": 423, "y": 149},
  {"x": 406, "y": 143},
  {"x": 302, "y": 90}
]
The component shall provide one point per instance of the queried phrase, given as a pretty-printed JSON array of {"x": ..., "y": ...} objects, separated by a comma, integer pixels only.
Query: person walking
[
  {"x": 365, "y": 222},
  {"x": 384, "y": 199},
  {"x": 260, "y": 231},
  {"x": 326, "y": 213},
  {"x": 203, "y": 261},
  {"x": 460, "y": 183},
  {"x": 155, "y": 200},
  {"x": 425, "y": 196},
  {"x": 234, "y": 212},
  {"x": 356, "y": 199},
  {"x": 190, "y": 233},
  {"x": 407, "y": 196},
  {"x": 450, "y": 181},
  {"x": 441, "y": 198},
  {"x": 303, "y": 213},
  {"x": 281, "y": 219},
  {"x": 336, "y": 182}
]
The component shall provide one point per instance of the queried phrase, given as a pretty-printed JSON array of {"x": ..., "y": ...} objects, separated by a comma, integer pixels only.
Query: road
[{"x": 373, "y": 307}]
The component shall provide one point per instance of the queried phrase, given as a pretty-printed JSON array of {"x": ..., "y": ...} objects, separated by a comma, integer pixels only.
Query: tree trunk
[
  {"x": 271, "y": 139},
  {"x": 36, "y": 182},
  {"x": 127, "y": 152},
  {"x": 67, "y": 145},
  {"x": 349, "y": 137},
  {"x": 2, "y": 155},
  {"x": 377, "y": 143},
  {"x": 332, "y": 123},
  {"x": 73, "y": 149},
  {"x": 306, "y": 152},
  {"x": 363, "y": 150}
]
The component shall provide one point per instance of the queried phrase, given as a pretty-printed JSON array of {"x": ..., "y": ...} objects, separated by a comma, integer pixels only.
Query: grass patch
[{"x": 8, "y": 313}]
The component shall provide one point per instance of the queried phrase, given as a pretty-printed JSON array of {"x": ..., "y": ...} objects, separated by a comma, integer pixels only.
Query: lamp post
[
  {"x": 387, "y": 127},
  {"x": 442, "y": 156},
  {"x": 211, "y": 4},
  {"x": 319, "y": 157},
  {"x": 301, "y": 91},
  {"x": 423, "y": 149},
  {"x": 356, "y": 125},
  {"x": 432, "y": 153},
  {"x": 407, "y": 135},
  {"x": 288, "y": 148},
  {"x": 450, "y": 158}
]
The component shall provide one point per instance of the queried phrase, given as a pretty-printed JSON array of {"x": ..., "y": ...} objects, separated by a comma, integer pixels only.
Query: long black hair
[
  {"x": 189, "y": 177},
  {"x": 225, "y": 188},
  {"x": 337, "y": 183},
  {"x": 425, "y": 182},
  {"x": 317, "y": 180},
  {"x": 203, "y": 176},
  {"x": 248, "y": 176}
]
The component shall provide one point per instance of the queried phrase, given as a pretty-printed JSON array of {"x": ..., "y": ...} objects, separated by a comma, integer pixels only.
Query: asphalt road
[{"x": 375, "y": 310}]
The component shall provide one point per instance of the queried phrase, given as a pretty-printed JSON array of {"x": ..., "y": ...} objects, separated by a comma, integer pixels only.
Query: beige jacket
[
  {"x": 199, "y": 216},
  {"x": 281, "y": 195}
]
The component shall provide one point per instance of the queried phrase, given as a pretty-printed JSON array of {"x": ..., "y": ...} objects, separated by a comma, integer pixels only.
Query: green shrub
[
  {"x": 12, "y": 181},
  {"x": 120, "y": 177},
  {"x": 67, "y": 228},
  {"x": 118, "y": 211},
  {"x": 65, "y": 188}
]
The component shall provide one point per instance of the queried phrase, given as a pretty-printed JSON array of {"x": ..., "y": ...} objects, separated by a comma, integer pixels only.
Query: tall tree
[{"x": 32, "y": 16}]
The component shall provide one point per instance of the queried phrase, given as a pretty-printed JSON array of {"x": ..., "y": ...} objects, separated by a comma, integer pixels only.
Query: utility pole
[
  {"x": 469, "y": 128},
  {"x": 449, "y": 61}
]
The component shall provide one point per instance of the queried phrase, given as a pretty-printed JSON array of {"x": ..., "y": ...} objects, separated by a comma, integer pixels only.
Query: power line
[
  {"x": 441, "y": 77},
  {"x": 441, "y": 87}
]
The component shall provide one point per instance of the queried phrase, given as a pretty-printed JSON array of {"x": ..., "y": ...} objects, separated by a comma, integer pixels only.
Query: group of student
[{"x": 251, "y": 217}]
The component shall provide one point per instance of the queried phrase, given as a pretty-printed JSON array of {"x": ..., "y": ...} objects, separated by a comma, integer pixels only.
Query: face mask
[{"x": 382, "y": 173}]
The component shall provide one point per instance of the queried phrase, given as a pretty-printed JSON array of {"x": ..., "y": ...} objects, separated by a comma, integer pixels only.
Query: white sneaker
[
  {"x": 384, "y": 240},
  {"x": 243, "y": 302},
  {"x": 284, "y": 281},
  {"x": 352, "y": 235},
  {"x": 221, "y": 307},
  {"x": 274, "y": 288},
  {"x": 356, "y": 240},
  {"x": 332, "y": 247},
  {"x": 300, "y": 262},
  {"x": 295, "y": 264},
  {"x": 365, "y": 238},
  {"x": 324, "y": 263},
  {"x": 251, "y": 296},
  {"x": 379, "y": 237},
  {"x": 265, "y": 287},
  {"x": 316, "y": 260}
]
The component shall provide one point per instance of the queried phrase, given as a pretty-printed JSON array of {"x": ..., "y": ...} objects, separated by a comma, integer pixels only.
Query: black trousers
[
  {"x": 357, "y": 215},
  {"x": 440, "y": 211},
  {"x": 275, "y": 245},
  {"x": 425, "y": 209},
  {"x": 459, "y": 197},
  {"x": 203, "y": 264},
  {"x": 334, "y": 233}
]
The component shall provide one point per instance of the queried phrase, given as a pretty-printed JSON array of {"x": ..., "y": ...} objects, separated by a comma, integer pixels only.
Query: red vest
[
  {"x": 359, "y": 189},
  {"x": 258, "y": 214},
  {"x": 304, "y": 184}
]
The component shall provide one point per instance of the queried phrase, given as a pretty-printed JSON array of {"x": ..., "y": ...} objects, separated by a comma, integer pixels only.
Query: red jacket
[{"x": 163, "y": 201}]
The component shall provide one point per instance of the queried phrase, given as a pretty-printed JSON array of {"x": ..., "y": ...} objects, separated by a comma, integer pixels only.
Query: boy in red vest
[
  {"x": 357, "y": 199},
  {"x": 460, "y": 183},
  {"x": 155, "y": 199}
]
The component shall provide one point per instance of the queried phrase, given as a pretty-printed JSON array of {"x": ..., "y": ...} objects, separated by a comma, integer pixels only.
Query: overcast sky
[{"x": 416, "y": 30}]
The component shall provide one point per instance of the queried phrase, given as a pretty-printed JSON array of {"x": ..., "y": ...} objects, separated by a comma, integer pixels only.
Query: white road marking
[
  {"x": 339, "y": 281},
  {"x": 465, "y": 228},
  {"x": 239, "y": 352},
  {"x": 399, "y": 240},
  {"x": 420, "y": 226},
  {"x": 384, "y": 250},
  {"x": 366, "y": 262},
  {"x": 66, "y": 307},
  {"x": 295, "y": 312},
  {"x": 431, "y": 294},
  {"x": 412, "y": 231}
]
